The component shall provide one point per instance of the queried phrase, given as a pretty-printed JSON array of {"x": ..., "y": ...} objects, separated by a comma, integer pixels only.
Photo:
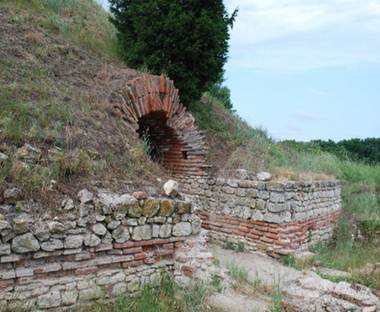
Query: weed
[
  {"x": 276, "y": 299},
  {"x": 165, "y": 297},
  {"x": 216, "y": 283},
  {"x": 239, "y": 274},
  {"x": 71, "y": 164},
  {"x": 288, "y": 260},
  {"x": 237, "y": 247}
]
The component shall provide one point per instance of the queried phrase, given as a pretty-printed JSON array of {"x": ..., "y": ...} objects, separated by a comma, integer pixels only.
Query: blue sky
[{"x": 307, "y": 69}]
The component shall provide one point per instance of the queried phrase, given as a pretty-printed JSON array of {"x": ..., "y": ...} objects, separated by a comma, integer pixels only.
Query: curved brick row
[{"x": 151, "y": 103}]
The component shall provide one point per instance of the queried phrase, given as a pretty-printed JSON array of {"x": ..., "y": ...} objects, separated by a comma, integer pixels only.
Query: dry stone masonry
[
  {"x": 107, "y": 244},
  {"x": 278, "y": 218}
]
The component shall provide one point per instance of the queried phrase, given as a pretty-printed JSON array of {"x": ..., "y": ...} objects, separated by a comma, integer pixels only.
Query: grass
[
  {"x": 83, "y": 22},
  {"x": 252, "y": 149},
  {"x": 237, "y": 247},
  {"x": 167, "y": 296}
]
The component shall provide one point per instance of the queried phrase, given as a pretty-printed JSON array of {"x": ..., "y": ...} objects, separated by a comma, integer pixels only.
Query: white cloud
[{"x": 292, "y": 35}]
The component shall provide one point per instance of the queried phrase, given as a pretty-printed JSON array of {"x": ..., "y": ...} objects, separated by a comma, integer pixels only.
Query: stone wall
[
  {"x": 103, "y": 245},
  {"x": 279, "y": 218}
]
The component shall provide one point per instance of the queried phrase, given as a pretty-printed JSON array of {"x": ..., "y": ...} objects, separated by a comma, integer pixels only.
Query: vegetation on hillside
[
  {"x": 234, "y": 144},
  {"x": 187, "y": 40},
  {"x": 58, "y": 66},
  {"x": 364, "y": 150}
]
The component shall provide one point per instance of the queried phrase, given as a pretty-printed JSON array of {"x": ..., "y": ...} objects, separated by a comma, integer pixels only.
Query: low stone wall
[
  {"x": 105, "y": 245},
  {"x": 279, "y": 218}
]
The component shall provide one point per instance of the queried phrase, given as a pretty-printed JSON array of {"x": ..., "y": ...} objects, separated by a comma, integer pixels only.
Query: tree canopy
[{"x": 185, "y": 39}]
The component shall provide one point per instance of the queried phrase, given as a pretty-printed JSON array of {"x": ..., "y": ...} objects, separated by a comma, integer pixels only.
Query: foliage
[
  {"x": 239, "y": 274},
  {"x": 222, "y": 94},
  {"x": 365, "y": 150},
  {"x": 237, "y": 247},
  {"x": 187, "y": 40},
  {"x": 166, "y": 296}
]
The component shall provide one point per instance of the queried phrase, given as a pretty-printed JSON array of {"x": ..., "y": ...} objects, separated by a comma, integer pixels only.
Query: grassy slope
[
  {"x": 58, "y": 66},
  {"x": 235, "y": 145}
]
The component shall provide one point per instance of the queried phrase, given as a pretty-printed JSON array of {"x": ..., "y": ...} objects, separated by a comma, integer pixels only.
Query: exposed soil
[{"x": 46, "y": 67}]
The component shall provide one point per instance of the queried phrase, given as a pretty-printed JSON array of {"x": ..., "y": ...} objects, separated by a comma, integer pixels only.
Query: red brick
[
  {"x": 271, "y": 236},
  {"x": 254, "y": 232},
  {"x": 187, "y": 271},
  {"x": 132, "y": 250},
  {"x": 261, "y": 228},
  {"x": 266, "y": 239},
  {"x": 253, "y": 236},
  {"x": 164, "y": 252},
  {"x": 85, "y": 271},
  {"x": 115, "y": 252},
  {"x": 5, "y": 284},
  {"x": 132, "y": 264},
  {"x": 140, "y": 256}
]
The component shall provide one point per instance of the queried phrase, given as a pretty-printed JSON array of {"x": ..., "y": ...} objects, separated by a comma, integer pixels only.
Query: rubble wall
[
  {"x": 278, "y": 218},
  {"x": 104, "y": 245}
]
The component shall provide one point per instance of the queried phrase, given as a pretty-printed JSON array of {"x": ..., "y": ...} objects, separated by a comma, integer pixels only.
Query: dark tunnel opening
[{"x": 161, "y": 141}]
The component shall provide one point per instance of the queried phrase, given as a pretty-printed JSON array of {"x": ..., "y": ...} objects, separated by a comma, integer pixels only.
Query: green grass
[
  {"x": 83, "y": 22},
  {"x": 254, "y": 150},
  {"x": 167, "y": 296},
  {"x": 238, "y": 274},
  {"x": 237, "y": 247}
]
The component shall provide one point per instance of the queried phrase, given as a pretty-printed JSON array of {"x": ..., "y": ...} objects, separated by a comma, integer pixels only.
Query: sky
[{"x": 306, "y": 69}]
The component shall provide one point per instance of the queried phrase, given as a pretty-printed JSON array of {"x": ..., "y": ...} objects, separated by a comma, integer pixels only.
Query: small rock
[
  {"x": 100, "y": 218},
  {"x": 20, "y": 226},
  {"x": 142, "y": 232},
  {"x": 12, "y": 195},
  {"x": 183, "y": 207},
  {"x": 41, "y": 231},
  {"x": 120, "y": 234},
  {"x": 50, "y": 300},
  {"x": 151, "y": 207},
  {"x": 165, "y": 230},
  {"x": 134, "y": 209},
  {"x": 25, "y": 243},
  {"x": 99, "y": 229},
  {"x": 91, "y": 240},
  {"x": 4, "y": 225},
  {"x": 3, "y": 157},
  {"x": 85, "y": 196},
  {"x": 28, "y": 153},
  {"x": 171, "y": 188},
  {"x": 113, "y": 225},
  {"x": 73, "y": 241},
  {"x": 241, "y": 174},
  {"x": 52, "y": 244},
  {"x": 5, "y": 249},
  {"x": 167, "y": 207},
  {"x": 182, "y": 229},
  {"x": 67, "y": 204},
  {"x": 140, "y": 195},
  {"x": 264, "y": 176},
  {"x": 56, "y": 227}
]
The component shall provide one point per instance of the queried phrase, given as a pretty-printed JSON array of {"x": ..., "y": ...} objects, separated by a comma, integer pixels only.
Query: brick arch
[{"x": 151, "y": 105}]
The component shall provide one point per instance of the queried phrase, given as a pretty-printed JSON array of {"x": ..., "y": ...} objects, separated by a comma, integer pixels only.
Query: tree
[
  {"x": 222, "y": 94},
  {"x": 185, "y": 39}
]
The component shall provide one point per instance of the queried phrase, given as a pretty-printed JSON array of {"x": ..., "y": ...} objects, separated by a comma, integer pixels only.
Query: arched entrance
[{"x": 152, "y": 106}]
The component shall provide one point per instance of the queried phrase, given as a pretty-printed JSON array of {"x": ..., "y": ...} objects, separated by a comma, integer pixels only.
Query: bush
[{"x": 187, "y": 40}]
